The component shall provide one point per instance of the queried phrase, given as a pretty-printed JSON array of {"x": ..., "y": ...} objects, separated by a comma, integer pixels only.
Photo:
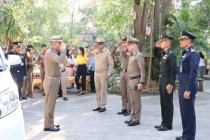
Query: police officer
[
  {"x": 103, "y": 60},
  {"x": 30, "y": 66},
  {"x": 24, "y": 66},
  {"x": 52, "y": 79},
  {"x": 40, "y": 61},
  {"x": 16, "y": 70},
  {"x": 123, "y": 53},
  {"x": 188, "y": 87},
  {"x": 136, "y": 76},
  {"x": 168, "y": 71}
]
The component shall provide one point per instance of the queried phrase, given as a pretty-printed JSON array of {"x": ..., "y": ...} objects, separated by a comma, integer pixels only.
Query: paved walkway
[{"x": 79, "y": 122}]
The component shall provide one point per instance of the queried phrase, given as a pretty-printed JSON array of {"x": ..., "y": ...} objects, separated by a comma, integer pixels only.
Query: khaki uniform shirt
[
  {"x": 30, "y": 59},
  {"x": 136, "y": 65},
  {"x": 40, "y": 59},
  {"x": 124, "y": 57},
  {"x": 102, "y": 60},
  {"x": 51, "y": 61}
]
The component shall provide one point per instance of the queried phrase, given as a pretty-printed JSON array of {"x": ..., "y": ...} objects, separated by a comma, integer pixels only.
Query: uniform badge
[
  {"x": 18, "y": 71},
  {"x": 192, "y": 50},
  {"x": 183, "y": 56}
]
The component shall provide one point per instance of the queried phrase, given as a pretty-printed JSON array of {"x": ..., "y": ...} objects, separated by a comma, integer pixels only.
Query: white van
[{"x": 11, "y": 115}]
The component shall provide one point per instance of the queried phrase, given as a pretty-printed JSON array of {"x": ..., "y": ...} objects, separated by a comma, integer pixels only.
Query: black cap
[
  {"x": 165, "y": 37},
  {"x": 30, "y": 46},
  {"x": 15, "y": 43},
  {"x": 185, "y": 34}
]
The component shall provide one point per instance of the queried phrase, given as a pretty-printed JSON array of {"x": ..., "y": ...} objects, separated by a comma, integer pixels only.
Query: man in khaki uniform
[
  {"x": 64, "y": 76},
  {"x": 136, "y": 76},
  {"x": 52, "y": 79},
  {"x": 123, "y": 53},
  {"x": 40, "y": 61},
  {"x": 29, "y": 76},
  {"x": 103, "y": 59}
]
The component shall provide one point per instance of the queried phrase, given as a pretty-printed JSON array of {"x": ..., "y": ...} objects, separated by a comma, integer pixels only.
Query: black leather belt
[
  {"x": 63, "y": 70},
  {"x": 135, "y": 77},
  {"x": 123, "y": 70}
]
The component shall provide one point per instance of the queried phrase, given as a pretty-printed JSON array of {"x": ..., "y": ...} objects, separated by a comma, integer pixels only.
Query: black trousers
[
  {"x": 92, "y": 84},
  {"x": 19, "y": 83},
  {"x": 166, "y": 102},
  {"x": 81, "y": 71},
  {"x": 60, "y": 91}
]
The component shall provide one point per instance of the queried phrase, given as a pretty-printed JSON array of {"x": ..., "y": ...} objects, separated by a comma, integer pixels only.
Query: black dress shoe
[
  {"x": 158, "y": 126},
  {"x": 163, "y": 128},
  {"x": 127, "y": 113},
  {"x": 81, "y": 93},
  {"x": 52, "y": 129},
  {"x": 24, "y": 98},
  {"x": 57, "y": 125},
  {"x": 132, "y": 123},
  {"x": 78, "y": 91},
  {"x": 102, "y": 109},
  {"x": 128, "y": 121},
  {"x": 180, "y": 138},
  {"x": 65, "y": 99},
  {"x": 121, "y": 112},
  {"x": 97, "y": 109}
]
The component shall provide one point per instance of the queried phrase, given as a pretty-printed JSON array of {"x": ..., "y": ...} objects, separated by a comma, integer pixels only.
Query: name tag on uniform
[{"x": 18, "y": 71}]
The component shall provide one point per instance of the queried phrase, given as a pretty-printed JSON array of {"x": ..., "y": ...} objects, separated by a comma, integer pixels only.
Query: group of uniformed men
[
  {"x": 132, "y": 79},
  {"x": 22, "y": 73}
]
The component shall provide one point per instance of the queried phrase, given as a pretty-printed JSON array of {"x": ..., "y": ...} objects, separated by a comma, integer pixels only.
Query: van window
[{"x": 2, "y": 63}]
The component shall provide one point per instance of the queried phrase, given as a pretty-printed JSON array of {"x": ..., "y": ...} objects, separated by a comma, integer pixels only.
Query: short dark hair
[
  {"x": 30, "y": 46},
  {"x": 44, "y": 45}
]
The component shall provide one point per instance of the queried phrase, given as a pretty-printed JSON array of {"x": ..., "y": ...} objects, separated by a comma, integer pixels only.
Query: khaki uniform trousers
[
  {"x": 51, "y": 87},
  {"x": 42, "y": 75},
  {"x": 135, "y": 100},
  {"x": 27, "y": 85},
  {"x": 23, "y": 89},
  {"x": 101, "y": 88},
  {"x": 64, "y": 83},
  {"x": 125, "y": 91},
  {"x": 69, "y": 71}
]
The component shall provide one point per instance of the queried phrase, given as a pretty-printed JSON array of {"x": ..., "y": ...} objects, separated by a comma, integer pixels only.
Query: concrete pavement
[{"x": 79, "y": 122}]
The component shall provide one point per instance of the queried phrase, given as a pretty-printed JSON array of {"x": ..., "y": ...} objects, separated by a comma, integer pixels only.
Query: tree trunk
[
  {"x": 143, "y": 25},
  {"x": 151, "y": 38},
  {"x": 137, "y": 20},
  {"x": 7, "y": 39},
  {"x": 165, "y": 6},
  {"x": 157, "y": 17}
]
